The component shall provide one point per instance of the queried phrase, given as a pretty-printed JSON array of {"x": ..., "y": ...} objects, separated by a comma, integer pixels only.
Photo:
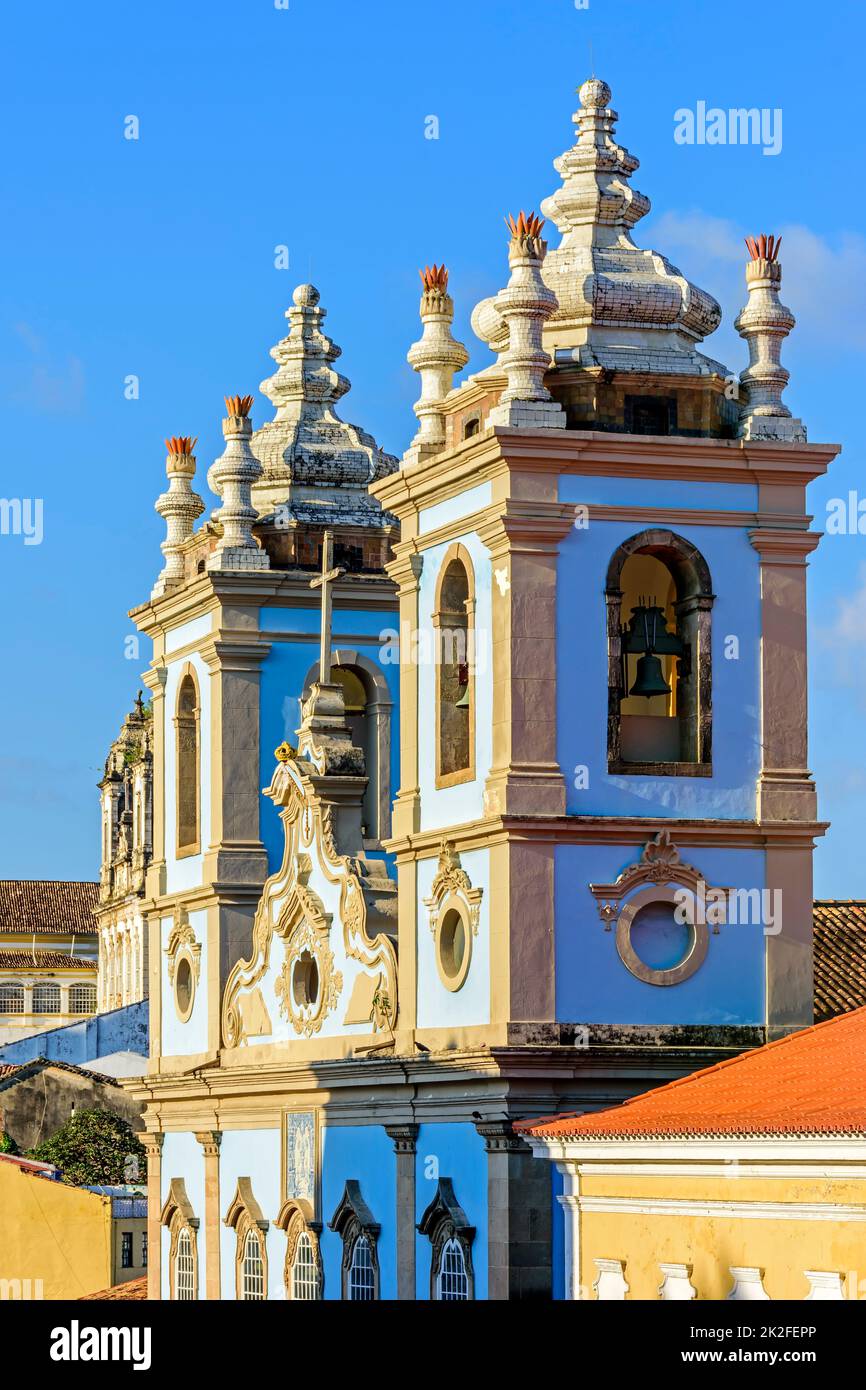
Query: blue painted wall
[
  {"x": 582, "y": 661},
  {"x": 594, "y": 986},
  {"x": 120, "y": 1030},
  {"x": 454, "y": 1151},
  {"x": 253, "y": 1154},
  {"x": 282, "y": 682},
  {"x": 363, "y": 1152}
]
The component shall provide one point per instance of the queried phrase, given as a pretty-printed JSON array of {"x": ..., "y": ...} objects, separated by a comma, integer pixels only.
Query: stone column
[
  {"x": 405, "y": 1147},
  {"x": 153, "y": 1148},
  {"x": 519, "y": 1221},
  {"x": 210, "y": 1142}
]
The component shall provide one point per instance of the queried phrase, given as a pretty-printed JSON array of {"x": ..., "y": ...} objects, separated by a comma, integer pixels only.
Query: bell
[
  {"x": 463, "y": 702},
  {"x": 649, "y": 680}
]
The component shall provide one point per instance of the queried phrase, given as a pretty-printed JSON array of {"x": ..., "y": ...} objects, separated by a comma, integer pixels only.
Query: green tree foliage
[
  {"x": 7, "y": 1143},
  {"x": 95, "y": 1147}
]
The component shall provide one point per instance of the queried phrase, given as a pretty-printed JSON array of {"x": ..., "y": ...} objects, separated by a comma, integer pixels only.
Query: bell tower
[{"x": 605, "y": 820}]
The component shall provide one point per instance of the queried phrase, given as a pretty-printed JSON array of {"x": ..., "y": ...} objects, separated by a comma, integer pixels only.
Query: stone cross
[{"x": 323, "y": 581}]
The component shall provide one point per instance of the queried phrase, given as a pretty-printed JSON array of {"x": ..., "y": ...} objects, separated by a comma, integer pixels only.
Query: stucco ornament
[
  {"x": 452, "y": 882},
  {"x": 318, "y": 790},
  {"x": 182, "y": 941},
  {"x": 661, "y": 878}
]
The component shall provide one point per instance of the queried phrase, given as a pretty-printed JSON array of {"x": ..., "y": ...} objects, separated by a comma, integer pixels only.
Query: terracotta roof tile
[
  {"x": 23, "y": 958},
  {"x": 840, "y": 956},
  {"x": 133, "y": 1289},
  {"x": 47, "y": 905},
  {"x": 809, "y": 1083}
]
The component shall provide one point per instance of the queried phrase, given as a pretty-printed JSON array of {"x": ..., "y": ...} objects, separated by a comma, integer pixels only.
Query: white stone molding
[
  {"x": 676, "y": 1285},
  {"x": 610, "y": 1285},
  {"x": 748, "y": 1285},
  {"x": 825, "y": 1286}
]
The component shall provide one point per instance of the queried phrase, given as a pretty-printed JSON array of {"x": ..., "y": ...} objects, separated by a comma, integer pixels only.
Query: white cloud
[
  {"x": 45, "y": 382},
  {"x": 824, "y": 279}
]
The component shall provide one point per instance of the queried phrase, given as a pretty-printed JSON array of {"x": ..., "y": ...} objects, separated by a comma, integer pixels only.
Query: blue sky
[{"x": 305, "y": 126}]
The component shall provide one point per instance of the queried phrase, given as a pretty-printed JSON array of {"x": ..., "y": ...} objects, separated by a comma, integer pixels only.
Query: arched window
[
  {"x": 184, "y": 1266},
  {"x": 445, "y": 1224},
  {"x": 252, "y": 1288},
  {"x": 303, "y": 1274},
  {"x": 659, "y": 605},
  {"x": 452, "y": 1281},
  {"x": 46, "y": 999},
  {"x": 11, "y": 999},
  {"x": 245, "y": 1217},
  {"x": 177, "y": 1215},
  {"x": 362, "y": 1277},
  {"x": 354, "y": 1223},
  {"x": 188, "y": 755},
  {"x": 454, "y": 638}
]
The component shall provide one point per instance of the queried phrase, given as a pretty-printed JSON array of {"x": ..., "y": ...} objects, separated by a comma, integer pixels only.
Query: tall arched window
[
  {"x": 303, "y": 1275},
  {"x": 354, "y": 1223},
  {"x": 188, "y": 756},
  {"x": 244, "y": 1216},
  {"x": 454, "y": 639},
  {"x": 252, "y": 1283},
  {"x": 452, "y": 1280},
  {"x": 450, "y": 1234},
  {"x": 177, "y": 1215},
  {"x": 659, "y": 606}
]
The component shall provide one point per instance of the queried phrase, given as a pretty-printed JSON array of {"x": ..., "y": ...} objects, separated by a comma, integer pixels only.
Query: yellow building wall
[
  {"x": 54, "y": 1233},
  {"x": 782, "y": 1247}
]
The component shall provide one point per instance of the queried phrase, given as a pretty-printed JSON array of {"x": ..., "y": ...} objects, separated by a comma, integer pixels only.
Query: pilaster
[
  {"x": 405, "y": 1138},
  {"x": 152, "y": 1143},
  {"x": 210, "y": 1143},
  {"x": 519, "y": 1223}
]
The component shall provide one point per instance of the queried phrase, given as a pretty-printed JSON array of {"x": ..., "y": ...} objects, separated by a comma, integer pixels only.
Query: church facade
[{"x": 529, "y": 712}]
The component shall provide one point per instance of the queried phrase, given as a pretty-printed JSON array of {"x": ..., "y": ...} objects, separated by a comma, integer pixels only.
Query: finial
[
  {"x": 764, "y": 323},
  {"x": 139, "y": 705},
  {"x": 524, "y": 306},
  {"x": 285, "y": 752},
  {"x": 594, "y": 94},
  {"x": 436, "y": 357},
  {"x": 231, "y": 477},
  {"x": 179, "y": 507}
]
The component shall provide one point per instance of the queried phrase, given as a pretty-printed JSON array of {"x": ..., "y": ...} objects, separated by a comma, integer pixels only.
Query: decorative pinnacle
[
  {"x": 181, "y": 444},
  {"x": 179, "y": 507},
  {"x": 285, "y": 752},
  {"x": 231, "y": 477},
  {"x": 434, "y": 277},
  {"x": 764, "y": 248},
  {"x": 435, "y": 357}
]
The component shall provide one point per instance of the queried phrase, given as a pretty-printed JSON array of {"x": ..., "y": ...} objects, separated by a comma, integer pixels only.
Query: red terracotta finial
[
  {"x": 434, "y": 277},
  {"x": 527, "y": 226},
  {"x": 181, "y": 444},
  {"x": 764, "y": 248},
  {"x": 238, "y": 405}
]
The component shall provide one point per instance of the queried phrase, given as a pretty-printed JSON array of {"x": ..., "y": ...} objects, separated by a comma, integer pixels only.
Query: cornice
[{"x": 597, "y": 453}]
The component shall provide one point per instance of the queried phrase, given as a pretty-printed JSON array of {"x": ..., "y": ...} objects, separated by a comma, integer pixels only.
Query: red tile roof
[
  {"x": 809, "y": 1083},
  {"x": 133, "y": 1289},
  {"x": 23, "y": 958},
  {"x": 840, "y": 956},
  {"x": 47, "y": 905}
]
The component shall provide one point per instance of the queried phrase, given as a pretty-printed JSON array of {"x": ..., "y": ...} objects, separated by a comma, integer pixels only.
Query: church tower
[{"x": 597, "y": 872}]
